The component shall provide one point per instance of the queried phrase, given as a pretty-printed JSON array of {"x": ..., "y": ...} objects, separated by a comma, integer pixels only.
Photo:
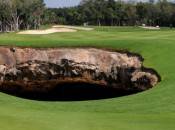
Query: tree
[
  {"x": 120, "y": 11},
  {"x": 142, "y": 12},
  {"x": 16, "y": 13},
  {"x": 130, "y": 14},
  {"x": 110, "y": 11},
  {"x": 38, "y": 7},
  {"x": 165, "y": 12}
]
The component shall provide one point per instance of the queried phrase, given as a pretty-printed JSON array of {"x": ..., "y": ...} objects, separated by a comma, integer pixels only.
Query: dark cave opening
[{"x": 72, "y": 92}]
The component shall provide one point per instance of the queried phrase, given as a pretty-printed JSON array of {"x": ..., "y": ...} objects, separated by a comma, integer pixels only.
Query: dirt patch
[
  {"x": 148, "y": 27},
  {"x": 48, "y": 31},
  {"x": 74, "y": 27},
  {"x": 55, "y": 29}
]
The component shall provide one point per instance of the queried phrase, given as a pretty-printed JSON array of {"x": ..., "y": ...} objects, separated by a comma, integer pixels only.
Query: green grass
[{"x": 149, "y": 110}]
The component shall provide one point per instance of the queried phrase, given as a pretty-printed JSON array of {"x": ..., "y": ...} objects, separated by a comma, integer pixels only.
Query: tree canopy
[{"x": 118, "y": 13}]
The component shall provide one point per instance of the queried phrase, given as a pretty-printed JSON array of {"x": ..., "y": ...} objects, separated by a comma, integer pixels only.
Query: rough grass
[{"x": 150, "y": 110}]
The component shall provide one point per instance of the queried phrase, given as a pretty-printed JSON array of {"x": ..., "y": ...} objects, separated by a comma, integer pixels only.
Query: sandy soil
[
  {"x": 48, "y": 31},
  {"x": 57, "y": 28},
  {"x": 73, "y": 27},
  {"x": 147, "y": 27}
]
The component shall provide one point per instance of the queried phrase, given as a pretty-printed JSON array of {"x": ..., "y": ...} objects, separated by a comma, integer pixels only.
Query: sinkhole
[
  {"x": 73, "y": 74},
  {"x": 71, "y": 91}
]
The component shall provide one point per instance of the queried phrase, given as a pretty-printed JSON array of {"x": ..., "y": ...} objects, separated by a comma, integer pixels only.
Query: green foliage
[
  {"x": 61, "y": 20},
  {"x": 119, "y": 13},
  {"x": 20, "y": 14},
  {"x": 149, "y": 110}
]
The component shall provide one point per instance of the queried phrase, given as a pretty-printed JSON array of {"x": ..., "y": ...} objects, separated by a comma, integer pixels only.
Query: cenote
[
  {"x": 73, "y": 74},
  {"x": 70, "y": 92}
]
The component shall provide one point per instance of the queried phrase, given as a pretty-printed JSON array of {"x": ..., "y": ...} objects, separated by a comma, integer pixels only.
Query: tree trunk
[
  {"x": 39, "y": 22},
  {"x": 15, "y": 20},
  {"x": 99, "y": 23},
  {"x": 112, "y": 22},
  {"x": 6, "y": 28},
  {"x": 17, "y": 24},
  {"x": 1, "y": 26},
  {"x": 35, "y": 23}
]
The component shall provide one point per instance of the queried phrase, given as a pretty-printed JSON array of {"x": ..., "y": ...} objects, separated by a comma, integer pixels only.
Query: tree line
[
  {"x": 31, "y": 14},
  {"x": 117, "y": 13}
]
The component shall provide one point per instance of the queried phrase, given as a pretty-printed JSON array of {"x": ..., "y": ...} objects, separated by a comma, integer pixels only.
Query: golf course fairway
[{"x": 150, "y": 110}]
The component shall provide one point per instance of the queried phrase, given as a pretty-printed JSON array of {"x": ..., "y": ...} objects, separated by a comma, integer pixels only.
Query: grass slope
[{"x": 150, "y": 110}]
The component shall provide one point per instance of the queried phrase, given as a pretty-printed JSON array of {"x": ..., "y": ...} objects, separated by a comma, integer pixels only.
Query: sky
[
  {"x": 67, "y": 3},
  {"x": 61, "y": 3}
]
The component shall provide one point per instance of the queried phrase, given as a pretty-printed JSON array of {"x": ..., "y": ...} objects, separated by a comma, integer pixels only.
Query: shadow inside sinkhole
[{"x": 72, "y": 92}]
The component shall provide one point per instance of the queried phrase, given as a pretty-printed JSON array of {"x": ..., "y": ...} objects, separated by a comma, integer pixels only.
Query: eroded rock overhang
[{"x": 41, "y": 70}]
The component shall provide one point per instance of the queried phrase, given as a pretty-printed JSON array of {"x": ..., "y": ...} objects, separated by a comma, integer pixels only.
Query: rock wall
[{"x": 41, "y": 69}]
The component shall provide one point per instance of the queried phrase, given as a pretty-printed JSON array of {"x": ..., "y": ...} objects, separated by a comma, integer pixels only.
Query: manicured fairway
[{"x": 150, "y": 110}]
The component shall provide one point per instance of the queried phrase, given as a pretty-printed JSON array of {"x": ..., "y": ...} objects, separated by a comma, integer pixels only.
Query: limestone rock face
[{"x": 40, "y": 69}]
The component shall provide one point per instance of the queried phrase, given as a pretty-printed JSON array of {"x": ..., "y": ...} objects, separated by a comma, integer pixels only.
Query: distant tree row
[
  {"x": 117, "y": 13},
  {"x": 31, "y": 14}
]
